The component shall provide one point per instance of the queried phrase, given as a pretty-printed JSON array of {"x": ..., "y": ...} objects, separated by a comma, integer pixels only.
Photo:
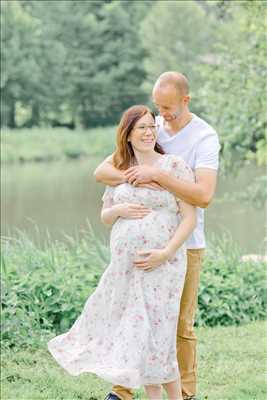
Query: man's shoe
[{"x": 112, "y": 396}]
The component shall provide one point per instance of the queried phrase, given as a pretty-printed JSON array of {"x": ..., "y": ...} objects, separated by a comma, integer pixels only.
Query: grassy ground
[
  {"x": 37, "y": 145},
  {"x": 231, "y": 367}
]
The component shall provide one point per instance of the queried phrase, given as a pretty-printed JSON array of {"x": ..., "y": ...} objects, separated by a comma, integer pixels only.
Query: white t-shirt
[{"x": 198, "y": 144}]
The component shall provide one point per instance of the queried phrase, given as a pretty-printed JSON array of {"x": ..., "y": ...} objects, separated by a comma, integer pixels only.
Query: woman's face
[{"x": 144, "y": 134}]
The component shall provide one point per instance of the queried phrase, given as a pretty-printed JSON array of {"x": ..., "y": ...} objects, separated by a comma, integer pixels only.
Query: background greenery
[
  {"x": 231, "y": 363},
  {"x": 81, "y": 63},
  {"x": 40, "y": 286},
  {"x": 39, "y": 300},
  {"x": 69, "y": 69},
  {"x": 55, "y": 144}
]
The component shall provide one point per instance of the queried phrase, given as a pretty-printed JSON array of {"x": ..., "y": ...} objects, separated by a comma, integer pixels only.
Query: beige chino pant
[{"x": 186, "y": 338}]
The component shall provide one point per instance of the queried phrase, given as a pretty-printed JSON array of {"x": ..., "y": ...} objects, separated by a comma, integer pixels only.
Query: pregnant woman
[{"x": 126, "y": 333}]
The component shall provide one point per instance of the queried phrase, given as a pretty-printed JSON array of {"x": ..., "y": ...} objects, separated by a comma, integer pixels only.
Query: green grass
[
  {"x": 231, "y": 367},
  {"x": 40, "y": 144}
]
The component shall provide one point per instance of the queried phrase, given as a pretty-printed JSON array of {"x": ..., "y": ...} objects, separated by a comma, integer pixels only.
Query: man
[{"x": 182, "y": 133}]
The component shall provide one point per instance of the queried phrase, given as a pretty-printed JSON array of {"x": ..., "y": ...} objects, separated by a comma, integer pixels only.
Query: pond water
[{"x": 62, "y": 197}]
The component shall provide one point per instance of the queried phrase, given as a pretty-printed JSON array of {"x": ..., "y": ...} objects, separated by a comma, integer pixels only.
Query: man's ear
[{"x": 187, "y": 99}]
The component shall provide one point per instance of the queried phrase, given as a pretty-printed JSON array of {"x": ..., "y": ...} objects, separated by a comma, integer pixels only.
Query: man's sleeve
[{"x": 207, "y": 154}]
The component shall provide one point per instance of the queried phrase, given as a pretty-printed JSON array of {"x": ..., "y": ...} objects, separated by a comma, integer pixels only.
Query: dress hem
[{"x": 107, "y": 376}]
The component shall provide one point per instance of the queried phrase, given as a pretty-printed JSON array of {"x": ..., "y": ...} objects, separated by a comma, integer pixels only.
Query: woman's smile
[{"x": 151, "y": 140}]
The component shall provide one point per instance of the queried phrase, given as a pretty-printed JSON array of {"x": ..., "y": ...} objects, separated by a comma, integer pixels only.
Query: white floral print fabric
[{"x": 126, "y": 333}]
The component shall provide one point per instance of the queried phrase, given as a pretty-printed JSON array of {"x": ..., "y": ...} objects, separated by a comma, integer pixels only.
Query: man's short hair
[{"x": 173, "y": 78}]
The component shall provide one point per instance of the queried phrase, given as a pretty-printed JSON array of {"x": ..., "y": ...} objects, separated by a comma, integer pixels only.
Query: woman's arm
[
  {"x": 184, "y": 230},
  {"x": 153, "y": 258},
  {"x": 108, "y": 174},
  {"x": 110, "y": 214}
]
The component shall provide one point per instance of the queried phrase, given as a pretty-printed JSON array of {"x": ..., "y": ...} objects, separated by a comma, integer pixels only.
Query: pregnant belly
[{"x": 129, "y": 236}]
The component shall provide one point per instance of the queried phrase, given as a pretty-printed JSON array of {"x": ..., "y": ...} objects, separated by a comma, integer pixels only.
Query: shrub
[
  {"x": 44, "y": 289},
  {"x": 231, "y": 291}
]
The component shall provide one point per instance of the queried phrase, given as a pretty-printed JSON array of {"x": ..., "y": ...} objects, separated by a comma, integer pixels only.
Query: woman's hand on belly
[
  {"x": 151, "y": 259},
  {"x": 132, "y": 211}
]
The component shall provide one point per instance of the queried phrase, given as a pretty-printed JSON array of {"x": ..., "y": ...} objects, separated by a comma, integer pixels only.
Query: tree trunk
[{"x": 35, "y": 119}]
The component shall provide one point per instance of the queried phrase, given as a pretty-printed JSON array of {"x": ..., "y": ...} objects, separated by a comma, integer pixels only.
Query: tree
[
  {"x": 176, "y": 36},
  {"x": 109, "y": 68},
  {"x": 103, "y": 68},
  {"x": 20, "y": 72},
  {"x": 234, "y": 94},
  {"x": 77, "y": 61}
]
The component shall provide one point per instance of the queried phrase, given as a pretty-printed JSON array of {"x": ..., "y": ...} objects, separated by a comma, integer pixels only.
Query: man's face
[{"x": 168, "y": 102}]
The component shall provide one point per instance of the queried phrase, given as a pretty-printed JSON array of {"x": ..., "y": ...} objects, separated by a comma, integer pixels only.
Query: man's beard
[{"x": 174, "y": 116}]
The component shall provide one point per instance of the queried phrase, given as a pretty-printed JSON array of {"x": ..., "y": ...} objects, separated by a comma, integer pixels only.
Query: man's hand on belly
[{"x": 151, "y": 259}]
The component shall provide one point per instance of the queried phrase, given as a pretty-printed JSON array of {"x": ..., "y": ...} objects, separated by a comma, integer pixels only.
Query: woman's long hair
[{"x": 123, "y": 157}]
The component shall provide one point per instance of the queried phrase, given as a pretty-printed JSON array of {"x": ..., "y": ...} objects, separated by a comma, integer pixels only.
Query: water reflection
[{"x": 61, "y": 197}]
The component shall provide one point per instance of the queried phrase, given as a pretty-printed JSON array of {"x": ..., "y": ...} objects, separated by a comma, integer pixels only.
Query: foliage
[
  {"x": 69, "y": 61},
  {"x": 81, "y": 63},
  {"x": 231, "y": 291},
  {"x": 170, "y": 45},
  {"x": 19, "y": 48},
  {"x": 44, "y": 290},
  {"x": 261, "y": 152},
  {"x": 36, "y": 145},
  {"x": 234, "y": 91}
]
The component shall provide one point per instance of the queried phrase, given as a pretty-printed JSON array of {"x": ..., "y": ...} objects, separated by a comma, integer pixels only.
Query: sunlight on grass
[{"x": 231, "y": 361}]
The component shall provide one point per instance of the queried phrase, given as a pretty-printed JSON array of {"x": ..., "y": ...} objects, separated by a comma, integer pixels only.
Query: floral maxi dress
[{"x": 126, "y": 333}]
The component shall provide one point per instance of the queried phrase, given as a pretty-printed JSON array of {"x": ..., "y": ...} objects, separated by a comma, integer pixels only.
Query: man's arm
[
  {"x": 106, "y": 173},
  {"x": 198, "y": 193}
]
